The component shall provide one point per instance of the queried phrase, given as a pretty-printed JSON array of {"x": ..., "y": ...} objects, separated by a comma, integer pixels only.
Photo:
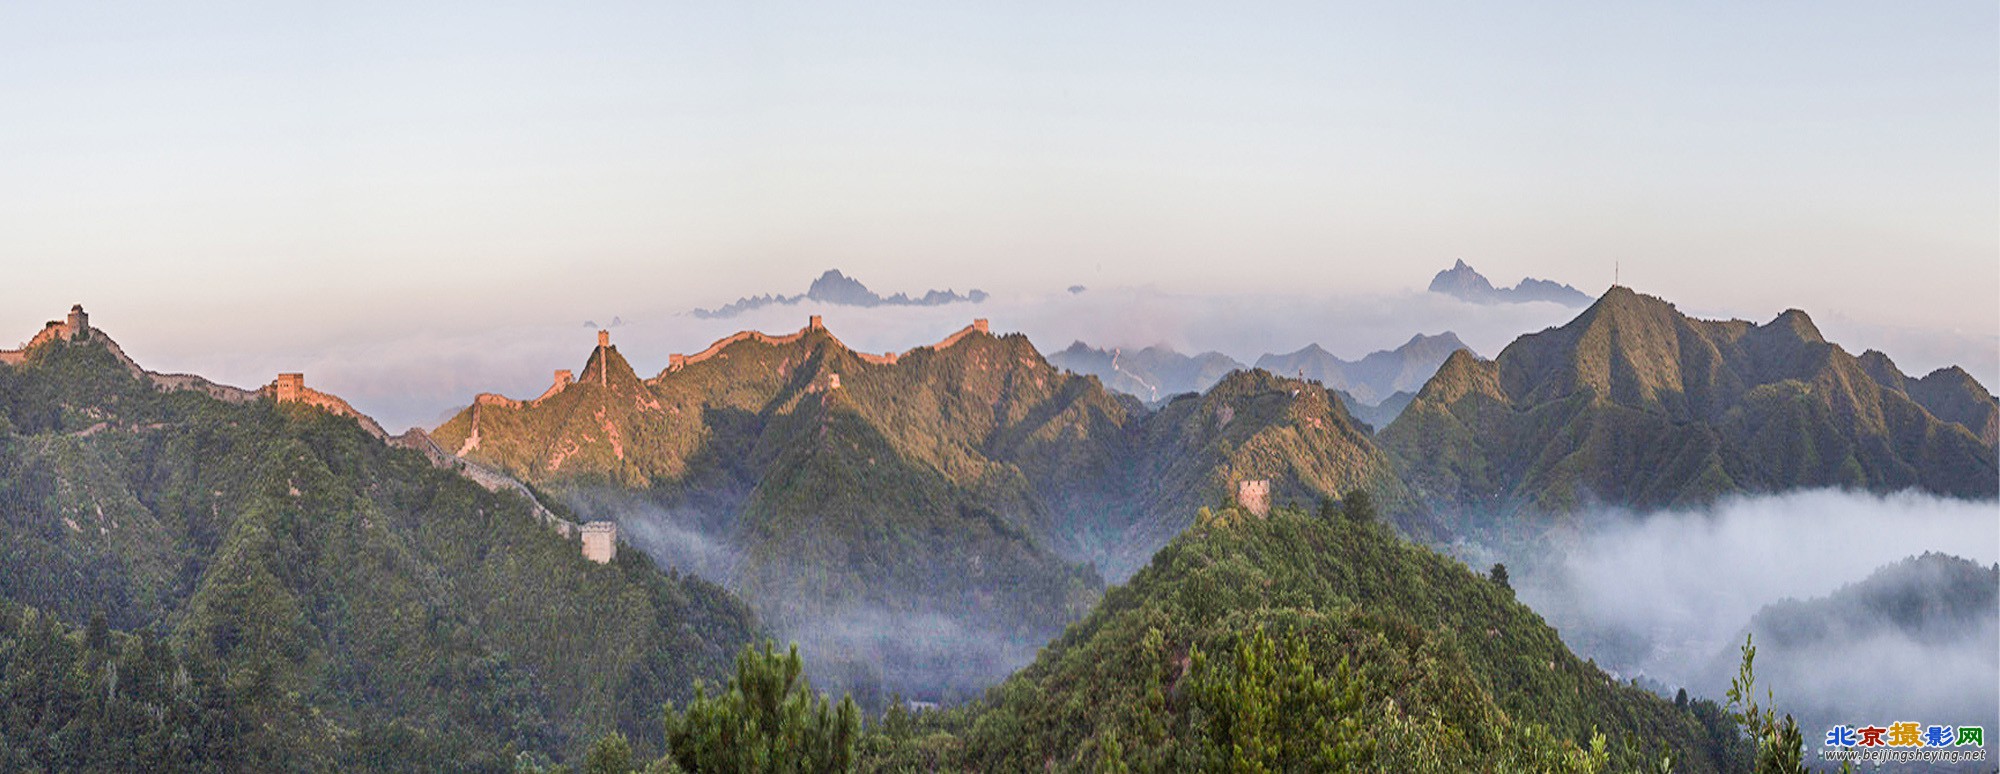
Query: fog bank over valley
[{"x": 1668, "y": 597}]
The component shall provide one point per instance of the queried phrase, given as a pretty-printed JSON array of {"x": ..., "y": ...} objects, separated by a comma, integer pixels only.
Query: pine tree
[
  {"x": 1358, "y": 506},
  {"x": 612, "y": 754},
  {"x": 766, "y": 720},
  {"x": 1780, "y": 745}
]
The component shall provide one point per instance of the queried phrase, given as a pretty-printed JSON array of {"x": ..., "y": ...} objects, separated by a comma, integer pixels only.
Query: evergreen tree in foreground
[
  {"x": 1780, "y": 744},
  {"x": 766, "y": 720}
]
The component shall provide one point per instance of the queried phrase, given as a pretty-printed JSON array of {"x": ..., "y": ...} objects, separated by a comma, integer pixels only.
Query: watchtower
[
  {"x": 980, "y": 325},
  {"x": 603, "y": 338},
  {"x": 814, "y": 323},
  {"x": 600, "y": 541},
  {"x": 563, "y": 379},
  {"x": 1254, "y": 496},
  {"x": 290, "y": 387},
  {"x": 79, "y": 323}
]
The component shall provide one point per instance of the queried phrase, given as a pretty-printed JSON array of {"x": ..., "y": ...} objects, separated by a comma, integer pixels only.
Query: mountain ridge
[
  {"x": 937, "y": 481},
  {"x": 1374, "y": 388},
  {"x": 1377, "y": 375},
  {"x": 1633, "y": 403},
  {"x": 356, "y": 598}
]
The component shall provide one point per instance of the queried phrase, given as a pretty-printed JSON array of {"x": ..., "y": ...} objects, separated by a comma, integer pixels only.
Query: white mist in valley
[
  {"x": 1668, "y": 597},
  {"x": 871, "y": 651}
]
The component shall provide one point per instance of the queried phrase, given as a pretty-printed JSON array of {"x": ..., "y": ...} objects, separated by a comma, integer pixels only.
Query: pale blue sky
[{"x": 346, "y": 164}]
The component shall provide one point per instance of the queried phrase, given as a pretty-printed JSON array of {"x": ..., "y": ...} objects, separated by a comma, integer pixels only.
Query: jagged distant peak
[
  {"x": 833, "y": 287},
  {"x": 1463, "y": 282}
]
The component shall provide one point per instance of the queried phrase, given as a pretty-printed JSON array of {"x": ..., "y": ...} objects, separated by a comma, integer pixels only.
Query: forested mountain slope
[
  {"x": 1310, "y": 642},
  {"x": 358, "y": 606}
]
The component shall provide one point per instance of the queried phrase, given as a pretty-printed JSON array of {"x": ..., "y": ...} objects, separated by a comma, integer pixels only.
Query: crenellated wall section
[{"x": 598, "y": 539}]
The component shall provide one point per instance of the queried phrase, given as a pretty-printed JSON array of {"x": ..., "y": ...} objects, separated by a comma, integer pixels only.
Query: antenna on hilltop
[{"x": 1614, "y": 272}]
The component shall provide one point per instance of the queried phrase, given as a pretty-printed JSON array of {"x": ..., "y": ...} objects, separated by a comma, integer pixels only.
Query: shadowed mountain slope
[
  {"x": 361, "y": 606},
  {"x": 1634, "y": 404}
]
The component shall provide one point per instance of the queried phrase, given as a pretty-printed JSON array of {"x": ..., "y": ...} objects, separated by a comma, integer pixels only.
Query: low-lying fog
[
  {"x": 1668, "y": 596},
  {"x": 870, "y": 652}
]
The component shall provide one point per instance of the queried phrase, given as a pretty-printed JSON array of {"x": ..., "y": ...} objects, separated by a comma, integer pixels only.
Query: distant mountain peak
[
  {"x": 1443, "y": 342},
  {"x": 1375, "y": 377},
  {"x": 1463, "y": 282},
  {"x": 833, "y": 287}
]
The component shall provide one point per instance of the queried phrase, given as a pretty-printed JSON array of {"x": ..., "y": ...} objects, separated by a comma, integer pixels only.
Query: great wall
[
  {"x": 599, "y": 539},
  {"x": 675, "y": 363}
]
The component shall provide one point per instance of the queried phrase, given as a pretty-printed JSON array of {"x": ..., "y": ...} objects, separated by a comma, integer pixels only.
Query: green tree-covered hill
[
  {"x": 357, "y": 606},
  {"x": 1306, "y": 642},
  {"x": 1635, "y": 404}
]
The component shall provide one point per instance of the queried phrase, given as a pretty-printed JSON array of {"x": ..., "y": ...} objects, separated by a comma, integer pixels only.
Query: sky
[{"x": 236, "y": 189}]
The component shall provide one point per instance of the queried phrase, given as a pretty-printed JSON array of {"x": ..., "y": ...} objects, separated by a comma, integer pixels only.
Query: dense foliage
[
  {"x": 766, "y": 719},
  {"x": 359, "y": 607},
  {"x": 1298, "y": 642},
  {"x": 92, "y": 699}
]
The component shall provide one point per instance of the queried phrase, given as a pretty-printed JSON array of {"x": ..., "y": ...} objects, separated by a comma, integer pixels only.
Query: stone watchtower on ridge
[
  {"x": 600, "y": 541},
  {"x": 79, "y": 323},
  {"x": 290, "y": 387}
]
